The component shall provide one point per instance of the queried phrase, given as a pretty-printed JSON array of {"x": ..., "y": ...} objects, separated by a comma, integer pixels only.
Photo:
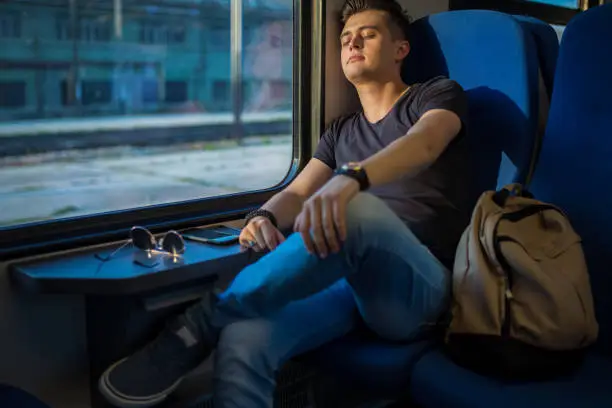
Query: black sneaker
[{"x": 150, "y": 375}]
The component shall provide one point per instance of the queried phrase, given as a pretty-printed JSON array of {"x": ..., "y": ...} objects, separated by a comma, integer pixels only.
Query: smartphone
[{"x": 218, "y": 235}]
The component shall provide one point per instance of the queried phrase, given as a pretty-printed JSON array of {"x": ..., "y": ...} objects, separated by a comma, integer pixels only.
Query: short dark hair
[{"x": 396, "y": 13}]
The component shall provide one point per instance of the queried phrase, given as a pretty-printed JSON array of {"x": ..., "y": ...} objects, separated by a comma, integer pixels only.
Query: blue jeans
[{"x": 290, "y": 302}]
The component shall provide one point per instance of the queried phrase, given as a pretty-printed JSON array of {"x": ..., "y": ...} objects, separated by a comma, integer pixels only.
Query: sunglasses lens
[
  {"x": 142, "y": 238},
  {"x": 173, "y": 243}
]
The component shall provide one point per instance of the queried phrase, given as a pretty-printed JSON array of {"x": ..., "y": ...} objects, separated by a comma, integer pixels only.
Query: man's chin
[{"x": 357, "y": 77}]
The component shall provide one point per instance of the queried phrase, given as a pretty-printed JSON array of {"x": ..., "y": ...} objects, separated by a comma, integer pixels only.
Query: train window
[
  {"x": 558, "y": 12},
  {"x": 110, "y": 106},
  {"x": 559, "y": 30},
  {"x": 574, "y": 4}
]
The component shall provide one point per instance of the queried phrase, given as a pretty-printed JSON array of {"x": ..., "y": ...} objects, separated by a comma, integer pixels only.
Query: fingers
[
  {"x": 302, "y": 225},
  {"x": 322, "y": 222},
  {"x": 329, "y": 227},
  {"x": 260, "y": 234},
  {"x": 247, "y": 239},
  {"x": 317, "y": 224},
  {"x": 279, "y": 237},
  {"x": 339, "y": 217},
  {"x": 316, "y": 227},
  {"x": 270, "y": 235}
]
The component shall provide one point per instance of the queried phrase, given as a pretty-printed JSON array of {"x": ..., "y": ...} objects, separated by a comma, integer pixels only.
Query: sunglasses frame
[{"x": 155, "y": 246}]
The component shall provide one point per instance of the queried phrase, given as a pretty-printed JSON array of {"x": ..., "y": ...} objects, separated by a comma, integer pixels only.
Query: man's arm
[
  {"x": 416, "y": 150},
  {"x": 260, "y": 233},
  {"x": 322, "y": 223},
  {"x": 440, "y": 105},
  {"x": 287, "y": 204}
]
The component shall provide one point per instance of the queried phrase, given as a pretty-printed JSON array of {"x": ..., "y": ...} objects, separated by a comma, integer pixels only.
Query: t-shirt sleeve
[
  {"x": 326, "y": 149},
  {"x": 442, "y": 93}
]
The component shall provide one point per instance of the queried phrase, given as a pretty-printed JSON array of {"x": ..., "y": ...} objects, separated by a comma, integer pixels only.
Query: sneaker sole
[{"x": 125, "y": 401}]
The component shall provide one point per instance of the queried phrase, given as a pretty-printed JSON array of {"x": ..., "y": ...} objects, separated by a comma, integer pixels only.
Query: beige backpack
[{"x": 522, "y": 304}]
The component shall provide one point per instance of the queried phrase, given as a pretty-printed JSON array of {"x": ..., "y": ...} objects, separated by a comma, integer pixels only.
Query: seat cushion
[
  {"x": 438, "y": 382},
  {"x": 377, "y": 366}
]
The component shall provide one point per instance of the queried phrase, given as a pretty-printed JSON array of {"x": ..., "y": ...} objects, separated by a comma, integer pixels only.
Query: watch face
[
  {"x": 355, "y": 170},
  {"x": 352, "y": 166}
]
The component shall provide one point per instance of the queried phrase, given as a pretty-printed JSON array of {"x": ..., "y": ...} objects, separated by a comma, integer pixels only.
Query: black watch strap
[
  {"x": 356, "y": 172},
  {"x": 261, "y": 213}
]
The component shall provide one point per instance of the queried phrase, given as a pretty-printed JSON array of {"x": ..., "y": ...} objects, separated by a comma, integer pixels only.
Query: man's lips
[{"x": 355, "y": 58}]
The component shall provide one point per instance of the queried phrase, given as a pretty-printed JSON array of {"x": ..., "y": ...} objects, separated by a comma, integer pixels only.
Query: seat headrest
[{"x": 495, "y": 60}]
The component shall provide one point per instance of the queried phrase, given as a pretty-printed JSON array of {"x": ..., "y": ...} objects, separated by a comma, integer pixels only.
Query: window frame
[
  {"x": 65, "y": 234},
  {"x": 545, "y": 12}
]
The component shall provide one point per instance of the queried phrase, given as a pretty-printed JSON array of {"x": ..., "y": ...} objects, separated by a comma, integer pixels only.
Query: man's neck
[{"x": 377, "y": 98}]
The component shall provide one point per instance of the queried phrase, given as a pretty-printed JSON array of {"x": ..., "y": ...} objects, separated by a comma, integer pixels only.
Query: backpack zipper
[{"x": 506, "y": 269}]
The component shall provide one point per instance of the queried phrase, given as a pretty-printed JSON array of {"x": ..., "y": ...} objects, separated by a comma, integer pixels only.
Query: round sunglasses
[{"x": 171, "y": 243}]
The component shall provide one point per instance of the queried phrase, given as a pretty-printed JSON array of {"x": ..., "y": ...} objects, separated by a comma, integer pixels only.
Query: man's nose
[{"x": 356, "y": 42}]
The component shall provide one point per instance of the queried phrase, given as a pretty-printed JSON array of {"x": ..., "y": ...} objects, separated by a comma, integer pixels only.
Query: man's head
[{"x": 374, "y": 40}]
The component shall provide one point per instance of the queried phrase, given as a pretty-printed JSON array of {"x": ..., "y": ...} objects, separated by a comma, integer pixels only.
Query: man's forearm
[
  {"x": 285, "y": 206},
  {"x": 417, "y": 150},
  {"x": 403, "y": 157}
]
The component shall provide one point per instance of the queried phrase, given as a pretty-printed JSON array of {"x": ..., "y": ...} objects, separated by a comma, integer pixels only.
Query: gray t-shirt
[{"x": 435, "y": 204}]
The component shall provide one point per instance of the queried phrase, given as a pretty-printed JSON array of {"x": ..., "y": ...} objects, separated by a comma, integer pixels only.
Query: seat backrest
[
  {"x": 495, "y": 60},
  {"x": 547, "y": 45},
  {"x": 574, "y": 169}
]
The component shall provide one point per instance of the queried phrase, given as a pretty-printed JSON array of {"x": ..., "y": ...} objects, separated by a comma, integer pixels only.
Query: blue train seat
[
  {"x": 574, "y": 171},
  {"x": 12, "y": 397},
  {"x": 499, "y": 71},
  {"x": 547, "y": 45}
]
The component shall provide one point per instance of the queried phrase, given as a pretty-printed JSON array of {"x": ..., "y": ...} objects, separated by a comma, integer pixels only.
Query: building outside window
[{"x": 104, "y": 110}]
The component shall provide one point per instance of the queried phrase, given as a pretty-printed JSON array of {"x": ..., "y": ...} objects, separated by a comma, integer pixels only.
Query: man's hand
[
  {"x": 322, "y": 220},
  {"x": 260, "y": 234}
]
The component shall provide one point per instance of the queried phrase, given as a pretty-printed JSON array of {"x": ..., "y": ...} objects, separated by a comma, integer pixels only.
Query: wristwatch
[{"x": 356, "y": 172}]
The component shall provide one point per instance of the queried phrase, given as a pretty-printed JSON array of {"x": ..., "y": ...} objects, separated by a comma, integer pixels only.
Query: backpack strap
[{"x": 501, "y": 196}]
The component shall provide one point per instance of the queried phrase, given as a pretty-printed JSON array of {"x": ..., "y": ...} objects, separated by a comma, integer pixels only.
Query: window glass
[
  {"x": 108, "y": 106},
  {"x": 561, "y": 3},
  {"x": 559, "y": 30}
]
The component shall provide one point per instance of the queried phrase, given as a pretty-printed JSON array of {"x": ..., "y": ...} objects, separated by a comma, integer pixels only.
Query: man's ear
[{"x": 403, "y": 50}]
